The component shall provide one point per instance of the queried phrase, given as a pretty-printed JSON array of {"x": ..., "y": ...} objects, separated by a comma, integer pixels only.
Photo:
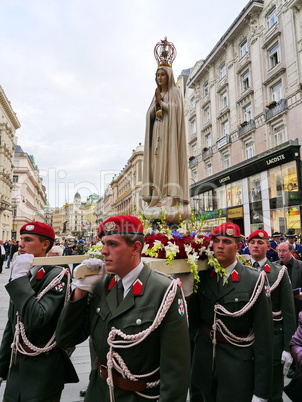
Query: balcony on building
[
  {"x": 275, "y": 108},
  {"x": 223, "y": 141},
  {"x": 246, "y": 127},
  {"x": 192, "y": 161},
  {"x": 206, "y": 152}
]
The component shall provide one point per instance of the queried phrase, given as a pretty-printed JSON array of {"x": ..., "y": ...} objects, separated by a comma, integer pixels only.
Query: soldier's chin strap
[
  {"x": 115, "y": 361},
  {"x": 218, "y": 324},
  {"x": 17, "y": 346}
]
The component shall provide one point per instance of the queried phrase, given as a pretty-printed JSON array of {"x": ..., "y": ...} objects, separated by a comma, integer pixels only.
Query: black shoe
[
  {"x": 291, "y": 373},
  {"x": 83, "y": 391}
]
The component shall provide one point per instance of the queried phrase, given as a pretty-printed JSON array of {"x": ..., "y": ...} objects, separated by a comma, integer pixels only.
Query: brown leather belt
[
  {"x": 219, "y": 336},
  {"x": 124, "y": 383}
]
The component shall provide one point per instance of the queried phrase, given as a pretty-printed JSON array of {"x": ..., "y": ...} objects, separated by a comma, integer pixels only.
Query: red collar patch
[
  {"x": 112, "y": 283},
  {"x": 267, "y": 268},
  {"x": 212, "y": 273},
  {"x": 235, "y": 276},
  {"x": 137, "y": 287},
  {"x": 40, "y": 273}
]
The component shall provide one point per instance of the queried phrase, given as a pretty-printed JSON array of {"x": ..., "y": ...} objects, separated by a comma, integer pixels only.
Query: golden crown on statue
[{"x": 165, "y": 53}]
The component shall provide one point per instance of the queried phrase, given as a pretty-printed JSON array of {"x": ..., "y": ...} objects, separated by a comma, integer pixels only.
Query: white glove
[
  {"x": 22, "y": 265},
  {"x": 1, "y": 379},
  {"x": 93, "y": 264},
  {"x": 89, "y": 281},
  {"x": 287, "y": 360},
  {"x": 257, "y": 399},
  {"x": 187, "y": 281}
]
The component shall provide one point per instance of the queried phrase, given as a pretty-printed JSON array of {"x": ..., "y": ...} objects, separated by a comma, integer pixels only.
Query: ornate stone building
[
  {"x": 9, "y": 123},
  {"x": 244, "y": 121}
]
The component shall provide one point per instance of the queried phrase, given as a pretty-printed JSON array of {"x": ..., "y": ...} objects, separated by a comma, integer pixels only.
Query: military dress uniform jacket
[
  {"x": 168, "y": 346},
  {"x": 282, "y": 300},
  {"x": 35, "y": 378},
  {"x": 236, "y": 372}
]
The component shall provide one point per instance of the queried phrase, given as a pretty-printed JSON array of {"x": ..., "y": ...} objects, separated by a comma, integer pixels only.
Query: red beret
[
  {"x": 121, "y": 224},
  {"x": 260, "y": 234},
  {"x": 38, "y": 228},
  {"x": 227, "y": 229}
]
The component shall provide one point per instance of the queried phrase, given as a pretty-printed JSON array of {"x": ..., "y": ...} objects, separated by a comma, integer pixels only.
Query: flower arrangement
[
  {"x": 243, "y": 124},
  {"x": 271, "y": 105},
  {"x": 191, "y": 158},
  {"x": 186, "y": 242},
  {"x": 204, "y": 149}
]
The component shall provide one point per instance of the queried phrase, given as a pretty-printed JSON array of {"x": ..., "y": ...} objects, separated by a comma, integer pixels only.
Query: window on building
[
  {"x": 206, "y": 88},
  {"x": 224, "y": 99},
  {"x": 15, "y": 178},
  {"x": 192, "y": 102},
  {"x": 207, "y": 114},
  {"x": 273, "y": 55},
  {"x": 247, "y": 112},
  {"x": 243, "y": 48},
  {"x": 225, "y": 128},
  {"x": 245, "y": 77},
  {"x": 271, "y": 18},
  {"x": 278, "y": 134},
  {"x": 14, "y": 193},
  {"x": 208, "y": 140},
  {"x": 226, "y": 160},
  {"x": 193, "y": 127},
  {"x": 222, "y": 70},
  {"x": 276, "y": 91},
  {"x": 194, "y": 150},
  {"x": 194, "y": 173},
  {"x": 208, "y": 169},
  {"x": 249, "y": 148}
]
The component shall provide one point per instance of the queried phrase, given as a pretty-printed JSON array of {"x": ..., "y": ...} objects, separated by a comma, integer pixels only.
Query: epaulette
[{"x": 163, "y": 274}]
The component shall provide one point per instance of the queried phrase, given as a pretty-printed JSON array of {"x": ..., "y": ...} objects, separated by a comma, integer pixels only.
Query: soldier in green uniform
[
  {"x": 34, "y": 368},
  {"x": 136, "y": 318},
  {"x": 232, "y": 317},
  {"x": 283, "y": 308}
]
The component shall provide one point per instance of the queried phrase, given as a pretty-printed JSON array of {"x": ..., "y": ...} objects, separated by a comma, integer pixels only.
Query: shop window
[
  {"x": 243, "y": 48},
  {"x": 254, "y": 188}
]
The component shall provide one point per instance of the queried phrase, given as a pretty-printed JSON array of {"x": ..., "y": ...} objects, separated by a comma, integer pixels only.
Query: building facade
[
  {"x": 244, "y": 115},
  {"x": 126, "y": 187},
  {"x": 9, "y": 123}
]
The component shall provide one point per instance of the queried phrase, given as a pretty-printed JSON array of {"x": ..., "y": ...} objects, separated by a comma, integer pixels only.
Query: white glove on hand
[
  {"x": 187, "y": 283},
  {"x": 257, "y": 399},
  {"x": 287, "y": 360},
  {"x": 93, "y": 264},
  {"x": 22, "y": 265},
  {"x": 90, "y": 280}
]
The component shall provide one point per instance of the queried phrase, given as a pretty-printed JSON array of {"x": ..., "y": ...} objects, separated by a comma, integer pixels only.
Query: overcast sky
[{"x": 80, "y": 76}]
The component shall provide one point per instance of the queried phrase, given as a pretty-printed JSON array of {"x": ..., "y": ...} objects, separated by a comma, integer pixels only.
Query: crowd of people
[{"x": 151, "y": 335}]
